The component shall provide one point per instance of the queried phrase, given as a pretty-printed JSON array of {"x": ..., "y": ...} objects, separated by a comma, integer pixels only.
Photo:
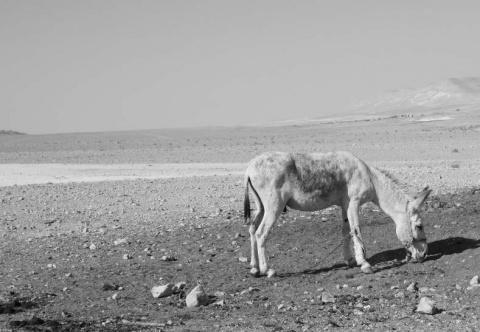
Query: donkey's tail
[{"x": 246, "y": 202}]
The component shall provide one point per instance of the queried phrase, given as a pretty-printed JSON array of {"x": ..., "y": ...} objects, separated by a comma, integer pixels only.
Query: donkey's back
[{"x": 310, "y": 181}]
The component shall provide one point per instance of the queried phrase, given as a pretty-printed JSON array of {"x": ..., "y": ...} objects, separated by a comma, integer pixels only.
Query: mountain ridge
[{"x": 448, "y": 93}]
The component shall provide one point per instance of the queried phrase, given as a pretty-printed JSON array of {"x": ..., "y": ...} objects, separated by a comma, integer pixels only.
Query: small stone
[
  {"x": 360, "y": 287},
  {"x": 474, "y": 281},
  {"x": 413, "y": 287},
  {"x": 109, "y": 287},
  {"x": 426, "y": 306},
  {"x": 119, "y": 241},
  {"x": 219, "y": 294},
  {"x": 168, "y": 258},
  {"x": 281, "y": 306},
  {"x": 219, "y": 303},
  {"x": 357, "y": 312},
  {"x": 243, "y": 259},
  {"x": 237, "y": 235},
  {"x": 400, "y": 295},
  {"x": 327, "y": 298},
  {"x": 162, "y": 291},
  {"x": 127, "y": 256},
  {"x": 368, "y": 308},
  {"x": 197, "y": 297},
  {"x": 114, "y": 296},
  {"x": 93, "y": 246},
  {"x": 424, "y": 289}
]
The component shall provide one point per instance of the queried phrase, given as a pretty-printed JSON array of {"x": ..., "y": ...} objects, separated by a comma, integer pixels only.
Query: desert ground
[{"x": 90, "y": 222}]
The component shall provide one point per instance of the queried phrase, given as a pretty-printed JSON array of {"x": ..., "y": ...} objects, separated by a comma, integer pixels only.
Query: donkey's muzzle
[{"x": 419, "y": 250}]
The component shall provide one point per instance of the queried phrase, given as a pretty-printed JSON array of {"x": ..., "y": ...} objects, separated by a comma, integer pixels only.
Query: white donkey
[{"x": 311, "y": 182}]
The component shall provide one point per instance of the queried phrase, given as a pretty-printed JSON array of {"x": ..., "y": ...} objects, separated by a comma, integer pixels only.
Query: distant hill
[
  {"x": 446, "y": 94},
  {"x": 10, "y": 132}
]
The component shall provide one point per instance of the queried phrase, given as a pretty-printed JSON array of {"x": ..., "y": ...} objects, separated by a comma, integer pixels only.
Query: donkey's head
[{"x": 410, "y": 227}]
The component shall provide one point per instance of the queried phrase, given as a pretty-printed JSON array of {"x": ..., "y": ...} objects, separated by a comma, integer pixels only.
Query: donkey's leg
[
  {"x": 253, "y": 241},
  {"x": 353, "y": 219},
  {"x": 268, "y": 221},
  {"x": 347, "y": 252}
]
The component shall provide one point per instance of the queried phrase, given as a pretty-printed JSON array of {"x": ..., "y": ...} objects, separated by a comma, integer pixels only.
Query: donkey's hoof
[
  {"x": 271, "y": 273},
  {"x": 366, "y": 268},
  {"x": 254, "y": 272},
  {"x": 407, "y": 259}
]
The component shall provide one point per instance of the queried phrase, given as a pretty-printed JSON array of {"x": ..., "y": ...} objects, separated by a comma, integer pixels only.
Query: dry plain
[{"x": 179, "y": 193}]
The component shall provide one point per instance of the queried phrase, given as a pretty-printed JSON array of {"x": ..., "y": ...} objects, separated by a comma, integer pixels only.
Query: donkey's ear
[{"x": 417, "y": 203}]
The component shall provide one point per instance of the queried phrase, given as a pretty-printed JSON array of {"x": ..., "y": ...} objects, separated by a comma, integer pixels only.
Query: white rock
[
  {"x": 426, "y": 306},
  {"x": 197, "y": 297},
  {"x": 162, "y": 291},
  {"x": 93, "y": 246},
  {"x": 413, "y": 287},
  {"x": 119, "y": 241},
  {"x": 219, "y": 303},
  {"x": 327, "y": 298},
  {"x": 474, "y": 281},
  {"x": 243, "y": 259}
]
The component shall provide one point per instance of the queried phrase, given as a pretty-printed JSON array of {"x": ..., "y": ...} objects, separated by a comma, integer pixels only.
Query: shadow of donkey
[{"x": 383, "y": 260}]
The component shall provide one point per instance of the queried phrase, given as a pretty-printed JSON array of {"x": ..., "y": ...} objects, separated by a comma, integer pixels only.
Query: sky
[{"x": 90, "y": 65}]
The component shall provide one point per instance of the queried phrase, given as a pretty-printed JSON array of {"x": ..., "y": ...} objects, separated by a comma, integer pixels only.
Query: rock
[
  {"x": 197, "y": 297},
  {"x": 162, "y": 291},
  {"x": 93, "y": 246},
  {"x": 413, "y": 287},
  {"x": 327, "y": 298},
  {"x": 168, "y": 258},
  {"x": 127, "y": 256},
  {"x": 424, "y": 289},
  {"x": 119, "y": 241},
  {"x": 426, "y": 306},
  {"x": 281, "y": 306},
  {"x": 219, "y": 303},
  {"x": 400, "y": 295},
  {"x": 109, "y": 286},
  {"x": 357, "y": 312},
  {"x": 474, "y": 281},
  {"x": 243, "y": 259}
]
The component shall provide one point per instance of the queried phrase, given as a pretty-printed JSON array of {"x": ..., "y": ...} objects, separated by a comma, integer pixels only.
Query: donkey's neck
[{"x": 388, "y": 196}]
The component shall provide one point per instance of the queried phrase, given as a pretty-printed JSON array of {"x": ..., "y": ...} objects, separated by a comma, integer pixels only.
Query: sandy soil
[
  {"x": 24, "y": 174},
  {"x": 63, "y": 269}
]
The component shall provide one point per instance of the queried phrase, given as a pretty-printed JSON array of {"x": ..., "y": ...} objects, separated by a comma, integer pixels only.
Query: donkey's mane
[{"x": 394, "y": 182}]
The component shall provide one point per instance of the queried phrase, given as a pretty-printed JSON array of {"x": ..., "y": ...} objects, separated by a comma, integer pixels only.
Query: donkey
[{"x": 315, "y": 181}]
